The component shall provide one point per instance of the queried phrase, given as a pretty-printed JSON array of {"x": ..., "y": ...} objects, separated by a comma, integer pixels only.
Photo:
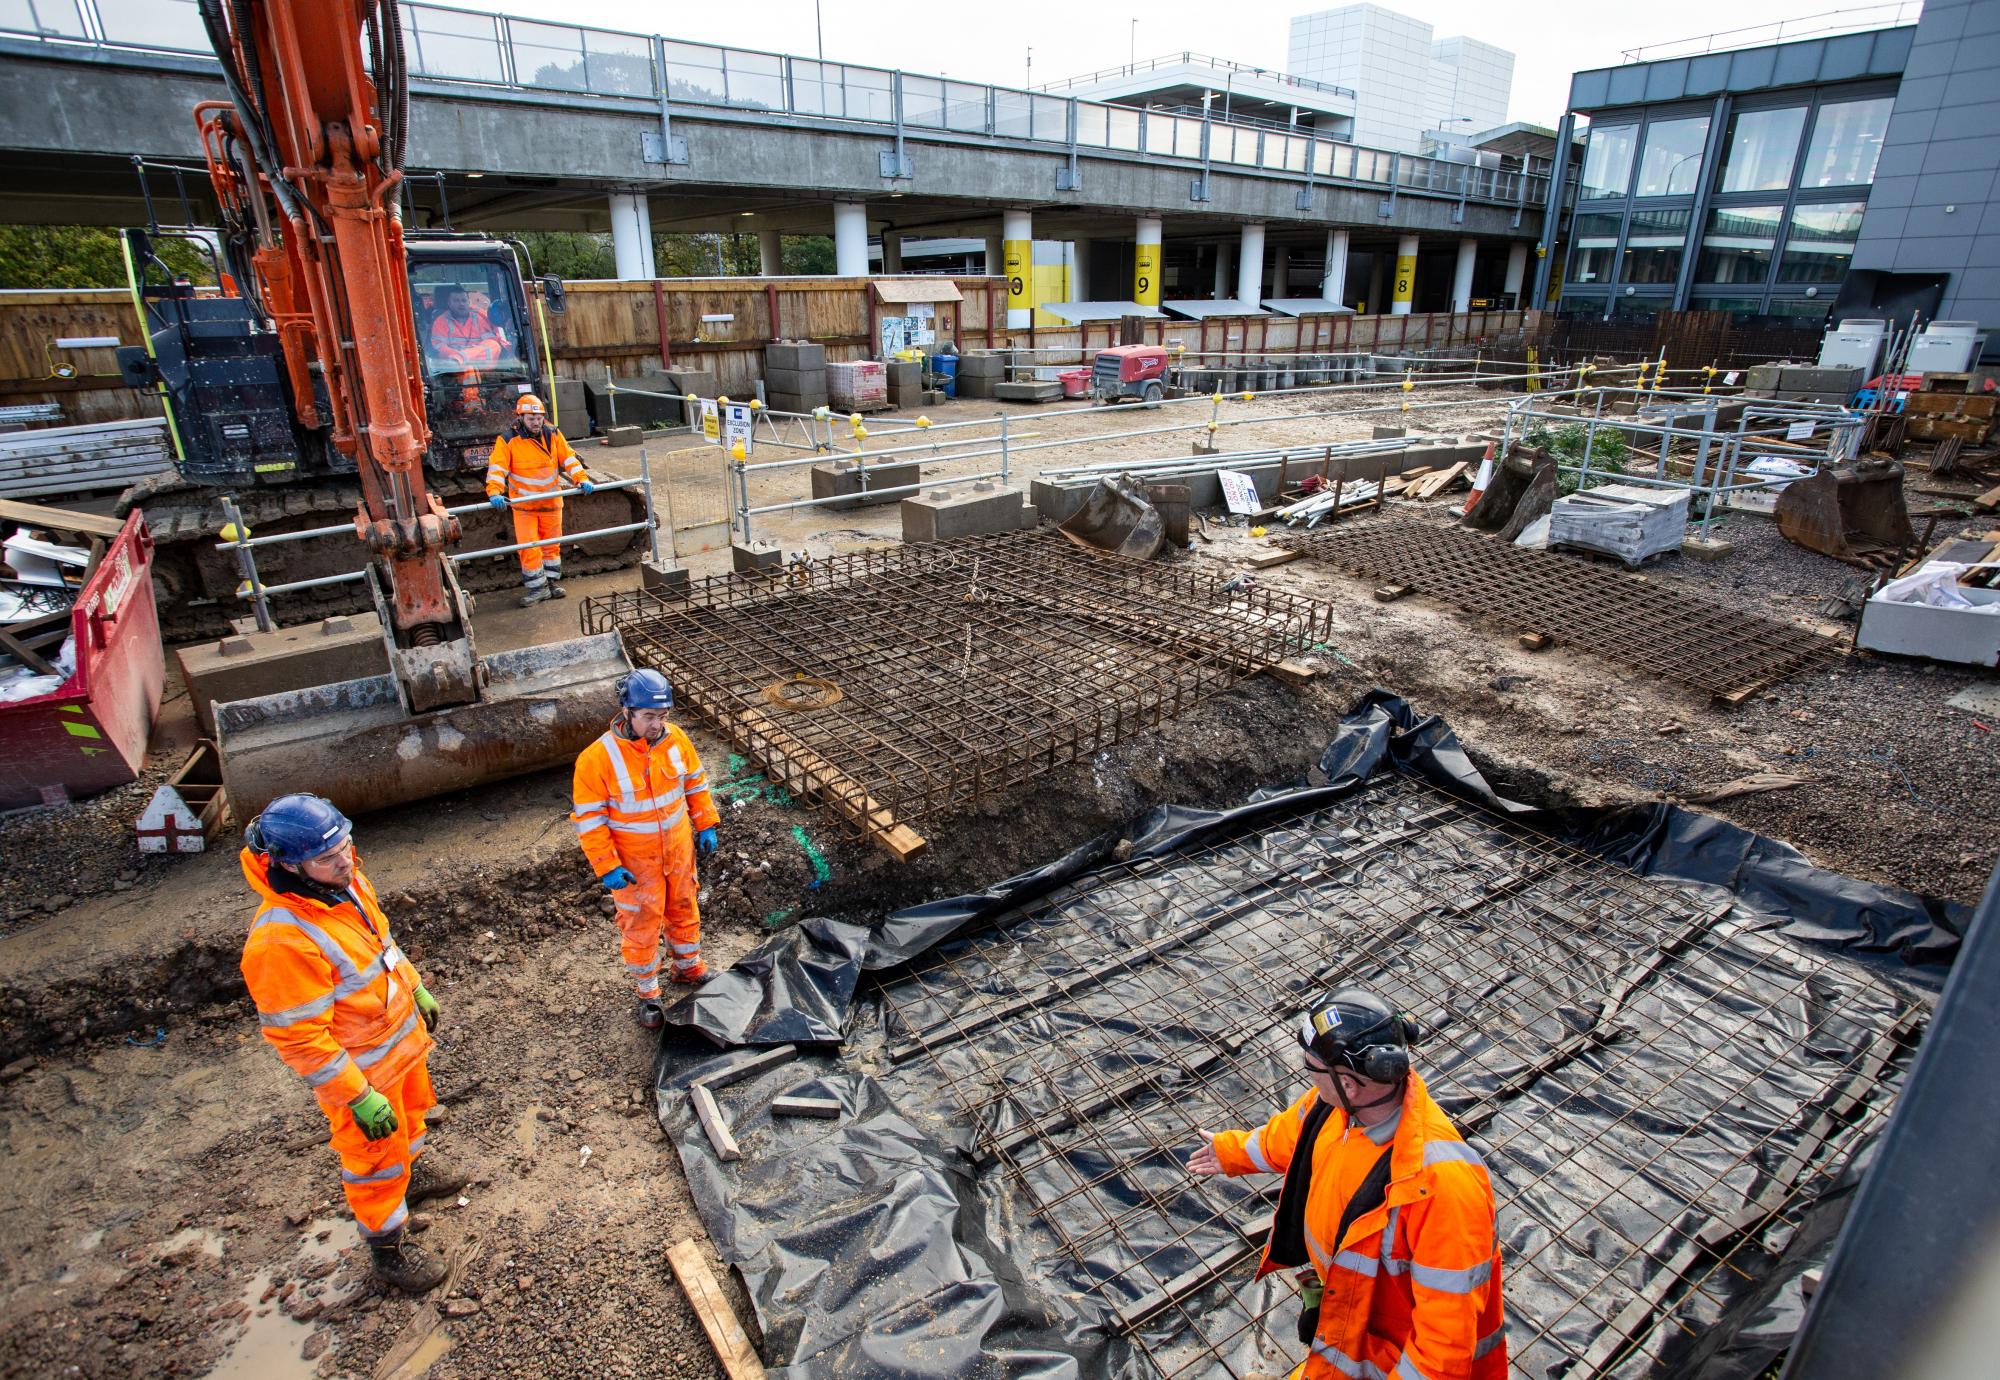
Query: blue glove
[
  {"x": 588, "y": 487},
  {"x": 497, "y": 500},
  {"x": 617, "y": 879},
  {"x": 705, "y": 841}
]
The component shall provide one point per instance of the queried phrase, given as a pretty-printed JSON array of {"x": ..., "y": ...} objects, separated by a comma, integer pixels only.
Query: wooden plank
[
  {"x": 1265, "y": 560},
  {"x": 711, "y": 1305},
  {"x": 1755, "y": 784},
  {"x": 1989, "y": 500},
  {"x": 823, "y": 1107},
  {"x": 1389, "y": 594},
  {"x": 60, "y": 519},
  {"x": 1293, "y": 673},
  {"x": 1536, "y": 641},
  {"x": 714, "y": 1124},
  {"x": 746, "y": 1068},
  {"x": 783, "y": 749}
]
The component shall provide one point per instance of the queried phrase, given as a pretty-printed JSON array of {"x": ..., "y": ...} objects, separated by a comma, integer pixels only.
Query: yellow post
[{"x": 1146, "y": 263}]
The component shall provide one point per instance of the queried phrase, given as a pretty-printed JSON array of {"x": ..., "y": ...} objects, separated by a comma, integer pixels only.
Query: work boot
[
  {"x": 689, "y": 977},
  {"x": 535, "y": 596},
  {"x": 406, "y": 1265},
  {"x": 556, "y": 591},
  {"x": 649, "y": 1014},
  {"x": 431, "y": 1177}
]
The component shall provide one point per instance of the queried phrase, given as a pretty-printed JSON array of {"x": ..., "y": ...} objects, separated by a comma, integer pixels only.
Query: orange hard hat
[{"x": 529, "y": 403}]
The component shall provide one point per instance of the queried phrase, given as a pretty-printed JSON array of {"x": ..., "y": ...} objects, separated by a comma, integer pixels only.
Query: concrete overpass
[{"x": 540, "y": 126}]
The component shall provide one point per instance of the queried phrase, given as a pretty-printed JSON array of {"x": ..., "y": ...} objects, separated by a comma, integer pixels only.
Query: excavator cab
[{"x": 483, "y": 344}]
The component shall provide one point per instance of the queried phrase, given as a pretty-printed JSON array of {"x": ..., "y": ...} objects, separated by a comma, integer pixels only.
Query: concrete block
[
  {"x": 748, "y": 560},
  {"x": 968, "y": 510},
  {"x": 788, "y": 402},
  {"x": 985, "y": 364},
  {"x": 659, "y": 577},
  {"x": 975, "y": 386},
  {"x": 634, "y": 409},
  {"x": 1057, "y": 502},
  {"x": 905, "y": 374},
  {"x": 1034, "y": 390},
  {"x": 800, "y": 383},
  {"x": 624, "y": 436},
  {"x": 1810, "y": 378},
  {"x": 572, "y": 403},
  {"x": 843, "y": 477},
  {"x": 1390, "y": 433},
  {"x": 1706, "y": 548},
  {"x": 1763, "y": 377},
  {"x": 794, "y": 355},
  {"x": 249, "y": 663}
]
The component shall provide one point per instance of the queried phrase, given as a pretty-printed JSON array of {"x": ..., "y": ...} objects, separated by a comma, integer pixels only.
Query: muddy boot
[
  {"x": 649, "y": 1014},
  {"x": 406, "y": 1265},
  {"x": 556, "y": 591},
  {"x": 690, "y": 977},
  {"x": 432, "y": 1177},
  {"x": 535, "y": 596}
]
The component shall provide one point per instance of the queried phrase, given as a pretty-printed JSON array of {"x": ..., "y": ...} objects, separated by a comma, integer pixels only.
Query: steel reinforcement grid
[
  {"x": 1658, "y": 1089},
  {"x": 902, "y": 685},
  {"x": 1609, "y": 612}
]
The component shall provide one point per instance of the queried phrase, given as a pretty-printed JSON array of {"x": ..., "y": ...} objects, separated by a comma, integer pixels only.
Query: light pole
[
  {"x": 1030, "y": 81},
  {"x": 1132, "y": 53}
]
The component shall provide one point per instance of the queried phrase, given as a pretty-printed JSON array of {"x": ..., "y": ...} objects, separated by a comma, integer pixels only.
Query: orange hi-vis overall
[
  {"x": 336, "y": 998},
  {"x": 1413, "y": 1288},
  {"x": 638, "y": 807},
  {"x": 526, "y": 469},
  {"x": 474, "y": 342}
]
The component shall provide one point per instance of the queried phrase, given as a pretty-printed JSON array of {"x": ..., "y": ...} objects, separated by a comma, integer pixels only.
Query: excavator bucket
[
  {"x": 355, "y": 743},
  {"x": 1854, "y": 513}
]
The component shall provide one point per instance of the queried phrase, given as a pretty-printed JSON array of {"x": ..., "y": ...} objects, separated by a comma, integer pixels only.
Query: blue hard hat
[
  {"x": 298, "y": 828},
  {"x": 645, "y": 689}
]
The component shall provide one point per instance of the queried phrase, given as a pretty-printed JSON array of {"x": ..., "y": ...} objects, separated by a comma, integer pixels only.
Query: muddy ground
[{"x": 171, "y": 1206}]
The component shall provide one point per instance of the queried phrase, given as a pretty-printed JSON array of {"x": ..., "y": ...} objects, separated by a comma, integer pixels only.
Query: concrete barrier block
[
  {"x": 1028, "y": 390},
  {"x": 253, "y": 663},
  {"x": 748, "y": 560},
  {"x": 843, "y": 477},
  {"x": 968, "y": 510},
  {"x": 794, "y": 355}
]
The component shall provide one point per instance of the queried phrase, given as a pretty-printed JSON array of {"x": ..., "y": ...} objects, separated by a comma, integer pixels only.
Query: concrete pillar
[
  {"x": 1017, "y": 261},
  {"x": 1461, "y": 278},
  {"x": 1405, "y": 290},
  {"x": 850, "y": 239},
  {"x": 1281, "y": 271},
  {"x": 632, "y": 236},
  {"x": 1250, "y": 265},
  {"x": 770, "y": 253},
  {"x": 1375, "y": 283},
  {"x": 1225, "y": 273},
  {"x": 1146, "y": 263},
  {"x": 1077, "y": 256},
  {"x": 892, "y": 251},
  {"x": 1333, "y": 283},
  {"x": 1517, "y": 270},
  {"x": 993, "y": 256}
]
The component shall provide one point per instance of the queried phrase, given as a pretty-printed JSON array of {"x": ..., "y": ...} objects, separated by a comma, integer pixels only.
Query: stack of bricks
[
  {"x": 858, "y": 385},
  {"x": 794, "y": 376}
]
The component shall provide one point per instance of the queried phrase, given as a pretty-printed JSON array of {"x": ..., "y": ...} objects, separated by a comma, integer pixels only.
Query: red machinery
[{"x": 1137, "y": 372}]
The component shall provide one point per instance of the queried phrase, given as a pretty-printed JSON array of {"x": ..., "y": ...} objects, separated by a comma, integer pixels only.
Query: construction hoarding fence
[
  {"x": 897, "y": 687},
  {"x": 1658, "y": 1047}
]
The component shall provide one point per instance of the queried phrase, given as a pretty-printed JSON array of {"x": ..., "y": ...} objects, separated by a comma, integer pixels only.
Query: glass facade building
[{"x": 1726, "y": 181}]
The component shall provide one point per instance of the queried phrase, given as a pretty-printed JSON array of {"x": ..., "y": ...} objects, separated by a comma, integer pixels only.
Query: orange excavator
[{"x": 309, "y": 148}]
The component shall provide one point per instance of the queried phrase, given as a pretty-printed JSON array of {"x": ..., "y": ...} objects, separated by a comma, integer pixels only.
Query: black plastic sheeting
[{"x": 889, "y": 1242}]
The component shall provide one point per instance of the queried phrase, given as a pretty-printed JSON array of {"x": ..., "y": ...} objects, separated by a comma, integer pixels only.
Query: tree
[
  {"x": 807, "y": 254},
  {"x": 570, "y": 253},
  {"x": 83, "y": 256}
]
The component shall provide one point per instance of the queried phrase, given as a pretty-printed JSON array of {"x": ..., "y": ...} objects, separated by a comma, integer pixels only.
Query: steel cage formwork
[
  {"x": 897, "y": 687},
  {"x": 1658, "y": 1088}
]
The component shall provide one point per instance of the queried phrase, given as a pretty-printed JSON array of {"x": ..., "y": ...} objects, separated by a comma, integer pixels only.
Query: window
[
  {"x": 1738, "y": 245},
  {"x": 1846, "y": 141},
  {"x": 1653, "y": 246},
  {"x": 1744, "y": 306},
  {"x": 1671, "y": 164},
  {"x": 1820, "y": 242},
  {"x": 1763, "y": 145},
  {"x": 1593, "y": 247},
  {"x": 1607, "y": 164},
  {"x": 1801, "y": 308},
  {"x": 465, "y": 318}
]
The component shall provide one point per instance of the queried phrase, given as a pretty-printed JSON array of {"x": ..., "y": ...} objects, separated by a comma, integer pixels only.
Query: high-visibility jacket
[
  {"x": 529, "y": 468},
  {"x": 629, "y": 796},
  {"x": 334, "y": 994},
  {"x": 1413, "y": 1288},
  {"x": 475, "y": 340}
]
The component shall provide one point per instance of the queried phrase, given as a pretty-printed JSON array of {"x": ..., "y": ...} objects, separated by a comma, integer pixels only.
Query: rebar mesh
[
  {"x": 1657, "y": 1089},
  {"x": 963, "y": 669},
  {"x": 1612, "y": 613}
]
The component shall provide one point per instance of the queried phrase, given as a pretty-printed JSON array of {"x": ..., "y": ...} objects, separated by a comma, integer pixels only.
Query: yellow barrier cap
[
  {"x": 230, "y": 532},
  {"x": 923, "y": 421}
]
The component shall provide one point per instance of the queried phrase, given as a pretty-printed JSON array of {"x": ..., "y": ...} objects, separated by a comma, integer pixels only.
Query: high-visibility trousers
[
  {"x": 376, "y": 1173},
  {"x": 662, "y": 897},
  {"x": 539, "y": 564}
]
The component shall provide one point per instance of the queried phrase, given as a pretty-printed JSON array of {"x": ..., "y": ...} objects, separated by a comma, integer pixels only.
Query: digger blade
[
  {"x": 352, "y": 742},
  {"x": 1849, "y": 514}
]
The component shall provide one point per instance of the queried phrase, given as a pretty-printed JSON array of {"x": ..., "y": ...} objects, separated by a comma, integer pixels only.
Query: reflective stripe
[
  {"x": 292, "y": 1015},
  {"x": 1451, "y": 1152},
  {"x": 584, "y": 807},
  {"x": 392, "y": 1226},
  {"x": 1364, "y": 1265},
  {"x": 686, "y": 965},
  {"x": 372, "y": 1056},
  {"x": 685, "y": 948},
  {"x": 590, "y": 822},
  {"x": 1345, "y": 1364},
  {"x": 623, "y": 906},
  {"x": 1390, "y": 1263},
  {"x": 417, "y": 1145},
  {"x": 621, "y": 827},
  {"x": 380, "y": 1176},
  {"x": 674, "y": 759},
  {"x": 1489, "y": 1341},
  {"x": 1452, "y": 1281},
  {"x": 329, "y": 1071},
  {"x": 335, "y": 955},
  {"x": 617, "y": 756},
  {"x": 1407, "y": 1369},
  {"x": 1254, "y": 1148},
  {"x": 644, "y": 968}
]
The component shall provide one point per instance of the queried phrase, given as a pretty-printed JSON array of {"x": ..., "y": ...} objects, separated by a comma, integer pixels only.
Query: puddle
[
  {"x": 269, "y": 1347},
  {"x": 210, "y": 1242}
]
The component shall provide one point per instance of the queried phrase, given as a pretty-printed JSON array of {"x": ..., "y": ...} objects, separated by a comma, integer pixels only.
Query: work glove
[
  {"x": 617, "y": 879},
  {"x": 705, "y": 841},
  {"x": 427, "y": 1007},
  {"x": 497, "y": 500},
  {"x": 587, "y": 486},
  {"x": 374, "y": 1115}
]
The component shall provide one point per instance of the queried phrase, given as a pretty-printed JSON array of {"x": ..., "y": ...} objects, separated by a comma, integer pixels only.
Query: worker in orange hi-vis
[
  {"x": 465, "y": 335},
  {"x": 642, "y": 810},
  {"x": 529, "y": 467},
  {"x": 343, "y": 1006},
  {"x": 1385, "y": 1210}
]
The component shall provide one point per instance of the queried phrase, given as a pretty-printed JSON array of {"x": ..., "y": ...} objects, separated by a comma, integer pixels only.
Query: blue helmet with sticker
[
  {"x": 298, "y": 828},
  {"x": 645, "y": 689}
]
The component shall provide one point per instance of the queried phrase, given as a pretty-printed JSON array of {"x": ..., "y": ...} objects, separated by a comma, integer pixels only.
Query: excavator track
[{"x": 195, "y": 585}]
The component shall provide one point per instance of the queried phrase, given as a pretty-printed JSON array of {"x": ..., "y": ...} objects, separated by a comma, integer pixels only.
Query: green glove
[
  {"x": 374, "y": 1115},
  {"x": 427, "y": 1006}
]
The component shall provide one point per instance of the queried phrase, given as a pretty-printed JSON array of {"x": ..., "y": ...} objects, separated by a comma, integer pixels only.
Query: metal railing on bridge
[{"x": 449, "y": 47}]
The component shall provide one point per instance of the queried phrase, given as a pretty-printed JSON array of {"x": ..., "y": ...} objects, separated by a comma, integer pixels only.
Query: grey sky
[{"x": 1068, "y": 38}]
